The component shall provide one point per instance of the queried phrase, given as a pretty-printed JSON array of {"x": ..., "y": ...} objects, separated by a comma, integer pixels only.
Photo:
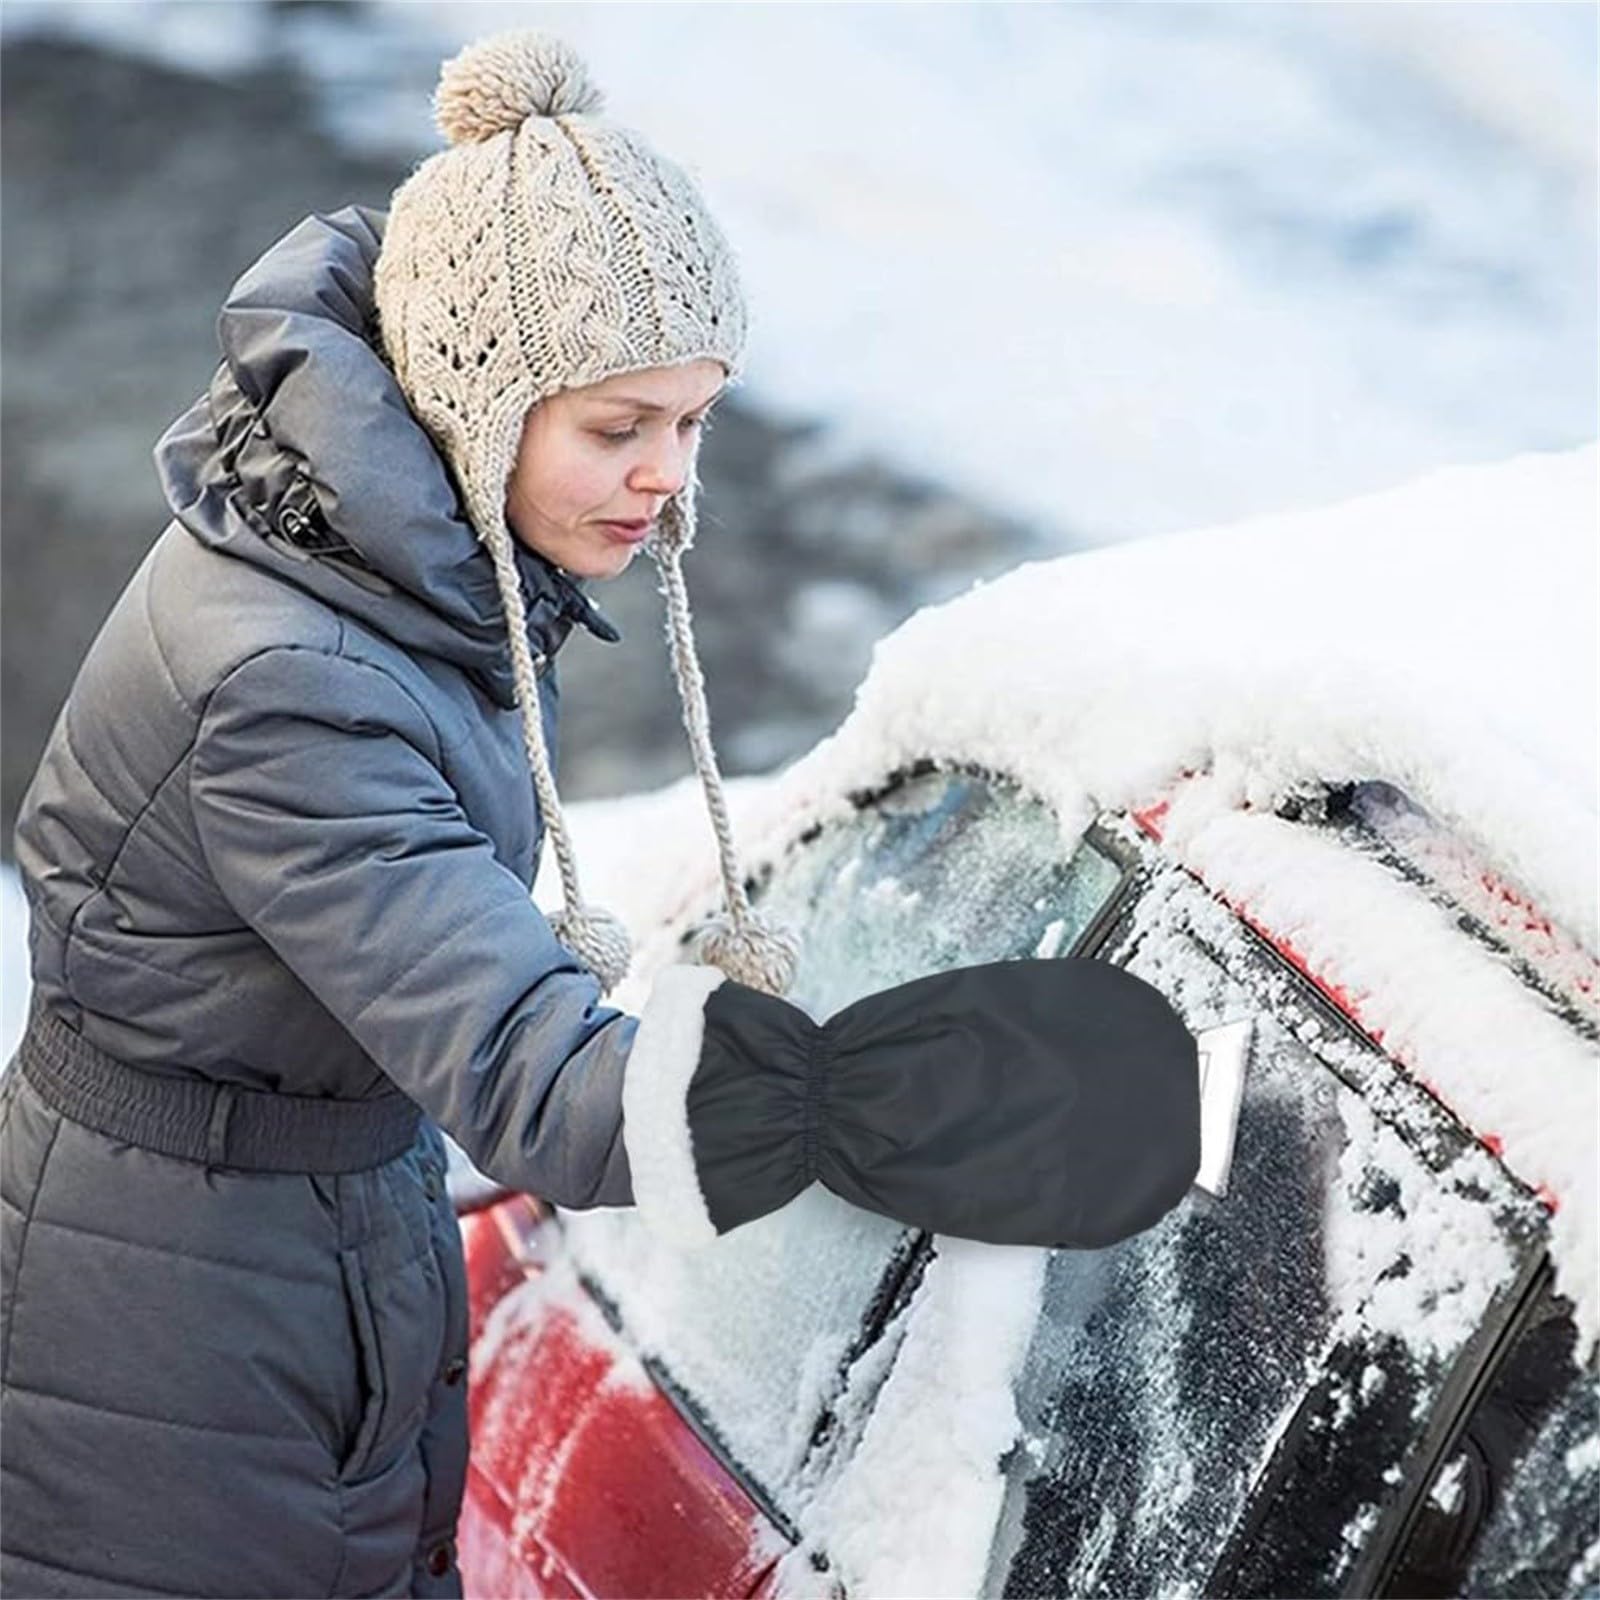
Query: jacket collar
[{"x": 304, "y": 458}]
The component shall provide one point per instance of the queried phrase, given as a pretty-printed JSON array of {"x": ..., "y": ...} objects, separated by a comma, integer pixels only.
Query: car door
[
  {"x": 1512, "y": 1505},
  {"x": 1245, "y": 1398}
]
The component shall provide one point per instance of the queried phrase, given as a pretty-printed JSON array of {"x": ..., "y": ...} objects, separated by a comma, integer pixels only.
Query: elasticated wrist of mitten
[{"x": 1046, "y": 1102}]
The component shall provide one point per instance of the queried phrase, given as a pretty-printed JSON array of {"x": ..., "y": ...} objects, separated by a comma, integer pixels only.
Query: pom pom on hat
[{"x": 495, "y": 84}]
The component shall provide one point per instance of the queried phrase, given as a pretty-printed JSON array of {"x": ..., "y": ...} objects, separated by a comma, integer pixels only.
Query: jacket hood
[{"x": 304, "y": 458}]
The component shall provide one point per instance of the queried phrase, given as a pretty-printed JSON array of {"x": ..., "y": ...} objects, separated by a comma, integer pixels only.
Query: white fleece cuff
[{"x": 655, "y": 1112}]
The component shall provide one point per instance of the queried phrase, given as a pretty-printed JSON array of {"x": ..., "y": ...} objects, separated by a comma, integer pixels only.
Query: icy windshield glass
[
  {"x": 1288, "y": 1342},
  {"x": 944, "y": 870},
  {"x": 750, "y": 1337}
]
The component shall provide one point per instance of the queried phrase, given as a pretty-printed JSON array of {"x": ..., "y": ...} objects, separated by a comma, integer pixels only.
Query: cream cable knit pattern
[{"x": 547, "y": 249}]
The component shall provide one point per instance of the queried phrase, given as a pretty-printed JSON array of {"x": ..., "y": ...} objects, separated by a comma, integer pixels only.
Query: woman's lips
[{"x": 627, "y": 532}]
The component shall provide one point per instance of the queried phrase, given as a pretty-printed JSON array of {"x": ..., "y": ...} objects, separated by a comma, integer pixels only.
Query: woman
[{"x": 278, "y": 855}]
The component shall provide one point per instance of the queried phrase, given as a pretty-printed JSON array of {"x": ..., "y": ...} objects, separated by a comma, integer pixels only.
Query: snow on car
[{"x": 1328, "y": 774}]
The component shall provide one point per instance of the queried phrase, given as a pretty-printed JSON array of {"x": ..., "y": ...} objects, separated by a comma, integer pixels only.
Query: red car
[{"x": 1365, "y": 1366}]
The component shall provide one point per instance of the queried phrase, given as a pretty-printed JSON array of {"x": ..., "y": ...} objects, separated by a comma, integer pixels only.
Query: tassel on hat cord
[{"x": 748, "y": 948}]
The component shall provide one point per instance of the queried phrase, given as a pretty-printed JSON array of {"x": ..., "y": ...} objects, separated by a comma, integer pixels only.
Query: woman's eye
[{"x": 703, "y": 423}]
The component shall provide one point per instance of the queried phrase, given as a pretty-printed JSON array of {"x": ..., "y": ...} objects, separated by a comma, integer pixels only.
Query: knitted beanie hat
[{"x": 547, "y": 249}]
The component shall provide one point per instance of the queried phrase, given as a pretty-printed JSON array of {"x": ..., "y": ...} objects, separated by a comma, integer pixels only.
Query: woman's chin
[
  {"x": 611, "y": 561},
  {"x": 597, "y": 557}
]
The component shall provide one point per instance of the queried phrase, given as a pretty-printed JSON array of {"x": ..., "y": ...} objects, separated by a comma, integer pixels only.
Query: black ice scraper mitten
[{"x": 1047, "y": 1102}]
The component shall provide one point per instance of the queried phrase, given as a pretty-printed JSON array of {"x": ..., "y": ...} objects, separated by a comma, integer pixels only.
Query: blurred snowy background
[{"x": 1024, "y": 278}]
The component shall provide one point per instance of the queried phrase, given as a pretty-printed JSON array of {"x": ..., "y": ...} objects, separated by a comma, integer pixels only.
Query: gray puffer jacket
[{"x": 282, "y": 839}]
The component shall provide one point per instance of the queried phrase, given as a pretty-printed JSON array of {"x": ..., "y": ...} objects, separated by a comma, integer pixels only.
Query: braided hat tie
[{"x": 745, "y": 946}]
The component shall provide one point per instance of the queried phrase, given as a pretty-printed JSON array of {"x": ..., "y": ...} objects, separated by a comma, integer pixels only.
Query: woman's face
[{"x": 612, "y": 452}]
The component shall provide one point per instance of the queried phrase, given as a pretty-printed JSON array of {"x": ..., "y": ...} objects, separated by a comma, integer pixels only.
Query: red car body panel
[{"x": 584, "y": 1479}]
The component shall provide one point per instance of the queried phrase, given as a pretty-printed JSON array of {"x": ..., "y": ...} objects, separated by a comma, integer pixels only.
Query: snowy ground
[{"x": 1116, "y": 269}]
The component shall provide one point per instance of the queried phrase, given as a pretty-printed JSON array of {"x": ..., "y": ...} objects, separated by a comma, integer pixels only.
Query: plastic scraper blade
[{"x": 1224, "y": 1052}]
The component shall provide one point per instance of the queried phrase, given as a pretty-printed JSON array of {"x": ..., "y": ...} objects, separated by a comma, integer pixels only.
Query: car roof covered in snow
[{"x": 1439, "y": 635}]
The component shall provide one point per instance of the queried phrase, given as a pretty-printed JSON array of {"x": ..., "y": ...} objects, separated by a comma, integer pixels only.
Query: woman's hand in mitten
[{"x": 1046, "y": 1102}]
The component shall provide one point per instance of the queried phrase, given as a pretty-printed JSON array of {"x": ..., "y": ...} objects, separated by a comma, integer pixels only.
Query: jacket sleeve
[{"x": 328, "y": 824}]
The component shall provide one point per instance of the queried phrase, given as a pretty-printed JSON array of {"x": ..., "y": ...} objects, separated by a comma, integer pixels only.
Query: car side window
[
  {"x": 1515, "y": 1509},
  {"x": 1381, "y": 821},
  {"x": 1227, "y": 1401},
  {"x": 751, "y": 1335}
]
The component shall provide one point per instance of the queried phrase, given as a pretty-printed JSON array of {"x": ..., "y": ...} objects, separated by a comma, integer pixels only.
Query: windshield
[
  {"x": 751, "y": 1337},
  {"x": 942, "y": 870}
]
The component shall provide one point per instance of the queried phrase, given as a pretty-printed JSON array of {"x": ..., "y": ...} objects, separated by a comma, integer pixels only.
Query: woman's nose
[{"x": 664, "y": 470}]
